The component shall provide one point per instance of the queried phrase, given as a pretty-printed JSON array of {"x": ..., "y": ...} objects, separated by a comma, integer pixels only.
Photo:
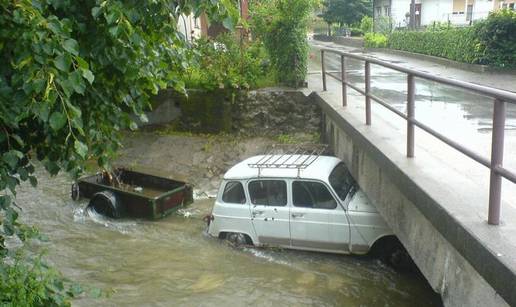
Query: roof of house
[{"x": 284, "y": 166}]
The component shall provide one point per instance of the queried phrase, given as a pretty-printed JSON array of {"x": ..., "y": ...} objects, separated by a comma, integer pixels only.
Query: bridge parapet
[{"x": 437, "y": 212}]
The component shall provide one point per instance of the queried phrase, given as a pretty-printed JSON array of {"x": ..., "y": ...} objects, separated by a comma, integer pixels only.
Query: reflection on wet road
[{"x": 459, "y": 115}]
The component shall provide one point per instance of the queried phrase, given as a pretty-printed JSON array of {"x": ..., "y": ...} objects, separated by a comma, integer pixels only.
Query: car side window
[
  {"x": 268, "y": 192},
  {"x": 234, "y": 193},
  {"x": 311, "y": 194}
]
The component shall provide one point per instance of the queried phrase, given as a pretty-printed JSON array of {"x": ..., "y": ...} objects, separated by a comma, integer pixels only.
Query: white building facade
[{"x": 456, "y": 12}]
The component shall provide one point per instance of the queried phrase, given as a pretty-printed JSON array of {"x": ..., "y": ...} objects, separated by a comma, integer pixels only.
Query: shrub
[
  {"x": 375, "y": 40},
  {"x": 356, "y": 32},
  {"x": 282, "y": 26},
  {"x": 459, "y": 44},
  {"x": 383, "y": 25},
  {"x": 497, "y": 38},
  {"x": 490, "y": 42},
  {"x": 224, "y": 63},
  {"x": 366, "y": 24}
]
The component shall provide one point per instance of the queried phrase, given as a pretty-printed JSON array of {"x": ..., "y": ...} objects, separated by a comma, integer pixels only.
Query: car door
[
  {"x": 318, "y": 221},
  {"x": 269, "y": 211}
]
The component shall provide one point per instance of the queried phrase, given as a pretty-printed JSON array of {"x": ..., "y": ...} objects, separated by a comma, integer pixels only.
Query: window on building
[
  {"x": 387, "y": 10},
  {"x": 469, "y": 12},
  {"x": 511, "y": 6},
  {"x": 268, "y": 192},
  {"x": 459, "y": 6},
  {"x": 234, "y": 193},
  {"x": 378, "y": 11},
  {"x": 309, "y": 194}
]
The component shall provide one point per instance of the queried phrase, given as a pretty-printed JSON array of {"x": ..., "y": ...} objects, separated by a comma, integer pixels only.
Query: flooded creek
[{"x": 174, "y": 262}]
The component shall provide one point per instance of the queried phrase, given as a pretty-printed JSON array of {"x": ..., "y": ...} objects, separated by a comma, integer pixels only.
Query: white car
[{"x": 305, "y": 202}]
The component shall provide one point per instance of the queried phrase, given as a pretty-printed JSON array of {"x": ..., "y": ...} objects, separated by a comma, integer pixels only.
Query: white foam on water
[
  {"x": 122, "y": 226},
  {"x": 265, "y": 255}
]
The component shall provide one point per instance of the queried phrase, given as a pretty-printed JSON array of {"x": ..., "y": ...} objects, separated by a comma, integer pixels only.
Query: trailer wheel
[
  {"x": 106, "y": 203},
  {"x": 75, "y": 193}
]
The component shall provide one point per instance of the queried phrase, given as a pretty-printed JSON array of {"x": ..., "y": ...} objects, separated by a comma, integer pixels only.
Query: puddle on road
[{"x": 174, "y": 262}]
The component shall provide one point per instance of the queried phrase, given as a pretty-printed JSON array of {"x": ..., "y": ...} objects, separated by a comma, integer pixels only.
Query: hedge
[
  {"x": 491, "y": 42},
  {"x": 458, "y": 44}
]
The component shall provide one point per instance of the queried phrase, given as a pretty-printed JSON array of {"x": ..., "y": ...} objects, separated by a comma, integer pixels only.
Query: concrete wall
[{"x": 400, "y": 201}]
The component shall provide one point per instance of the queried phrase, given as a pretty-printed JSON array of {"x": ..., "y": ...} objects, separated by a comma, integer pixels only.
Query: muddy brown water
[{"x": 174, "y": 262}]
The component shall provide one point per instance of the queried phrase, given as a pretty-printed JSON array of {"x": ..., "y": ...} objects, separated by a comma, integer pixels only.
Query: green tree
[
  {"x": 345, "y": 11},
  {"x": 282, "y": 25},
  {"x": 72, "y": 73}
]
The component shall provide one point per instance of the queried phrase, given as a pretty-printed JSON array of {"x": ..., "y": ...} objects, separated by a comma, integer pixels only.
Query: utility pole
[{"x": 413, "y": 14}]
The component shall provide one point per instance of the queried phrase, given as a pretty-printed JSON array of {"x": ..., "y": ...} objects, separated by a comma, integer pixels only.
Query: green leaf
[
  {"x": 33, "y": 181},
  {"x": 8, "y": 229},
  {"x": 82, "y": 63},
  {"x": 133, "y": 126},
  {"x": 43, "y": 112},
  {"x": 57, "y": 120},
  {"x": 52, "y": 167},
  {"x": 77, "y": 82},
  {"x": 71, "y": 46},
  {"x": 228, "y": 23},
  {"x": 10, "y": 158},
  {"x": 39, "y": 85},
  {"x": 114, "y": 31},
  {"x": 23, "y": 173},
  {"x": 18, "y": 139},
  {"x": 88, "y": 75},
  {"x": 76, "y": 289},
  {"x": 80, "y": 148},
  {"x": 63, "y": 62},
  {"x": 95, "y": 12},
  {"x": 55, "y": 26}
]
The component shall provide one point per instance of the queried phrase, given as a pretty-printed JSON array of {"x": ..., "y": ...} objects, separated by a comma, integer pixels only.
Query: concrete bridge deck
[{"x": 436, "y": 202}]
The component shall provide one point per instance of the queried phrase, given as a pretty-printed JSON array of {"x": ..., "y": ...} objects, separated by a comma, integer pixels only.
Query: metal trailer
[{"x": 128, "y": 193}]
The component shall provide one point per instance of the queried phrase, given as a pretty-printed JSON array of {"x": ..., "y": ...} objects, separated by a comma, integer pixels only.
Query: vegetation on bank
[
  {"x": 282, "y": 26},
  {"x": 346, "y": 14},
  {"x": 72, "y": 73},
  {"x": 489, "y": 42},
  {"x": 228, "y": 63}
]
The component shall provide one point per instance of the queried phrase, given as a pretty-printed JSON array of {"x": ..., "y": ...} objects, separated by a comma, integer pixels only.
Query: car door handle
[
  {"x": 295, "y": 215},
  {"x": 258, "y": 212}
]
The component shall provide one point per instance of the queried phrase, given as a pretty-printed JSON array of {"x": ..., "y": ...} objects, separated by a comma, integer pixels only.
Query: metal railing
[{"x": 501, "y": 97}]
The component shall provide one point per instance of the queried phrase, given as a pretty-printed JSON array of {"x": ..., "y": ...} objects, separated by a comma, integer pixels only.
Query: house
[
  {"x": 456, "y": 12},
  {"x": 195, "y": 27}
]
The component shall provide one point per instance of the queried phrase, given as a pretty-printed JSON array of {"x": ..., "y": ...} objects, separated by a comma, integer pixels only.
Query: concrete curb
[{"x": 438, "y": 60}]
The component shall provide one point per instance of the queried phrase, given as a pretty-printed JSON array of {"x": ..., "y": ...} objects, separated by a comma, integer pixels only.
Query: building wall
[
  {"x": 435, "y": 10},
  {"x": 453, "y": 11},
  {"x": 189, "y": 26}
]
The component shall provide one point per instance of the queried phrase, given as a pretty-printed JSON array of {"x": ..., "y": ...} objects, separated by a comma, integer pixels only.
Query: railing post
[
  {"x": 497, "y": 144},
  {"x": 323, "y": 71},
  {"x": 368, "y": 92},
  {"x": 411, "y": 97},
  {"x": 343, "y": 79}
]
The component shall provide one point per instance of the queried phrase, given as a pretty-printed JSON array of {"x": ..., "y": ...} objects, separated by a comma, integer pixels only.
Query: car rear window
[
  {"x": 310, "y": 194},
  {"x": 234, "y": 193},
  {"x": 268, "y": 192}
]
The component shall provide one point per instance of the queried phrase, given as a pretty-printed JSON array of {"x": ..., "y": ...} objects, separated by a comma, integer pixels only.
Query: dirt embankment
[{"x": 199, "y": 159}]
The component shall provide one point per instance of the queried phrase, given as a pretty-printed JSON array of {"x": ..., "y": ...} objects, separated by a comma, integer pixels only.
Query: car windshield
[{"x": 341, "y": 180}]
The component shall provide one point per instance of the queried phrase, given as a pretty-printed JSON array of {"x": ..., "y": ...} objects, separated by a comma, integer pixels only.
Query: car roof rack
[{"x": 289, "y": 156}]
